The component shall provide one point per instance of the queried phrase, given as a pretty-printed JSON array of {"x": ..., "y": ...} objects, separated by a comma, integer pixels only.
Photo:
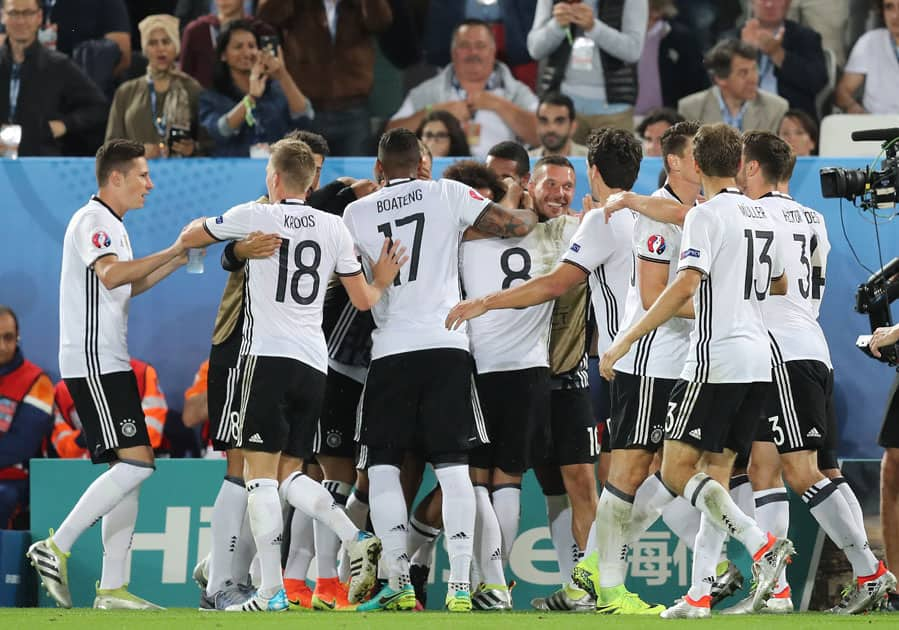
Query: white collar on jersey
[
  {"x": 105, "y": 205},
  {"x": 292, "y": 202},
  {"x": 730, "y": 190},
  {"x": 399, "y": 180},
  {"x": 776, "y": 193}
]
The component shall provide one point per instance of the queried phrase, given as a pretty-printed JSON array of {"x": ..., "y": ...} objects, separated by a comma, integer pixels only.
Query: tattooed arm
[{"x": 499, "y": 221}]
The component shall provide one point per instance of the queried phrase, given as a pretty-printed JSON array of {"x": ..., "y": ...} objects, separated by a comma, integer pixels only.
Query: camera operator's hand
[{"x": 883, "y": 337}]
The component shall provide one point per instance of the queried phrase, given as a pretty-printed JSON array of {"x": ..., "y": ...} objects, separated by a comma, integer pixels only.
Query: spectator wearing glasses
[
  {"x": 160, "y": 108},
  {"x": 43, "y": 91},
  {"x": 443, "y": 135}
]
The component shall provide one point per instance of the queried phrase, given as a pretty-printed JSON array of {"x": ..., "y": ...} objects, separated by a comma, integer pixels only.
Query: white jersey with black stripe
[
  {"x": 284, "y": 294},
  {"x": 512, "y": 339},
  {"x": 603, "y": 251},
  {"x": 792, "y": 319},
  {"x": 428, "y": 217},
  {"x": 93, "y": 320},
  {"x": 730, "y": 240},
  {"x": 661, "y": 353}
]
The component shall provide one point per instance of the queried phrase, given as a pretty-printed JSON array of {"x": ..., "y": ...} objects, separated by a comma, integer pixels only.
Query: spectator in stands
[
  {"x": 161, "y": 108},
  {"x": 330, "y": 53},
  {"x": 800, "y": 131},
  {"x": 874, "y": 61},
  {"x": 556, "y": 125},
  {"x": 591, "y": 55},
  {"x": 670, "y": 66},
  {"x": 26, "y": 415},
  {"x": 201, "y": 36},
  {"x": 443, "y": 135},
  {"x": 67, "y": 438},
  {"x": 510, "y": 21},
  {"x": 478, "y": 90},
  {"x": 510, "y": 159},
  {"x": 253, "y": 101},
  {"x": 42, "y": 90},
  {"x": 96, "y": 34},
  {"x": 137, "y": 11},
  {"x": 735, "y": 97},
  {"x": 706, "y": 20},
  {"x": 791, "y": 59},
  {"x": 828, "y": 18},
  {"x": 189, "y": 10},
  {"x": 651, "y": 128}
]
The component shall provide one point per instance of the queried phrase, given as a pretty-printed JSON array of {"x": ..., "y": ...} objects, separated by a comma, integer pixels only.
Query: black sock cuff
[
  {"x": 237, "y": 481},
  {"x": 699, "y": 488},
  {"x": 771, "y": 498},
  {"x": 516, "y": 486},
  {"x": 658, "y": 475},
  {"x": 838, "y": 481},
  {"x": 360, "y": 496},
  {"x": 624, "y": 496},
  {"x": 817, "y": 494},
  {"x": 738, "y": 480}
]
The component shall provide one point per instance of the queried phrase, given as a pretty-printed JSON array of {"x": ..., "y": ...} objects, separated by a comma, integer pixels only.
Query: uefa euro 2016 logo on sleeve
[
  {"x": 101, "y": 239},
  {"x": 656, "y": 244}
]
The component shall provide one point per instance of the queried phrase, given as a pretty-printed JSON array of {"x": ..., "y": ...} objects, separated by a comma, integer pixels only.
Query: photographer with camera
[{"x": 159, "y": 109}]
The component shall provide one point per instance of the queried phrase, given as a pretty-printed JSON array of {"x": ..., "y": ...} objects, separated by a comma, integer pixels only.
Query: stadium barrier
[{"x": 173, "y": 533}]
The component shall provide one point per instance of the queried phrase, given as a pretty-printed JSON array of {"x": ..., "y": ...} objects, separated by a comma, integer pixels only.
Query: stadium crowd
[{"x": 738, "y": 88}]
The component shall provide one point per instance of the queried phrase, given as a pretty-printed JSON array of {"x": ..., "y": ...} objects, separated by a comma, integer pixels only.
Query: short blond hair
[{"x": 293, "y": 160}]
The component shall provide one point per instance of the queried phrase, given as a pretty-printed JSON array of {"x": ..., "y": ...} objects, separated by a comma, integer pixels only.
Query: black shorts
[
  {"x": 514, "y": 404},
  {"x": 338, "y": 421},
  {"x": 889, "y": 432},
  {"x": 423, "y": 400},
  {"x": 571, "y": 435},
  {"x": 639, "y": 408},
  {"x": 223, "y": 399},
  {"x": 109, "y": 407},
  {"x": 715, "y": 416},
  {"x": 799, "y": 407},
  {"x": 601, "y": 399},
  {"x": 282, "y": 405}
]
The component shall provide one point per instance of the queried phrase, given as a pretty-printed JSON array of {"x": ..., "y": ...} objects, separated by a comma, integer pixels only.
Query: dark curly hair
[
  {"x": 476, "y": 175},
  {"x": 458, "y": 142}
]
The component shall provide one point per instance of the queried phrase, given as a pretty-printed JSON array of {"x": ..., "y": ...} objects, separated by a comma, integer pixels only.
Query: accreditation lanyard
[
  {"x": 15, "y": 82},
  {"x": 158, "y": 121}
]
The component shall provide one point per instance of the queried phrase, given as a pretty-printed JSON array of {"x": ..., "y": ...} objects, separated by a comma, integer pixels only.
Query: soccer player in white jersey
[
  {"x": 640, "y": 391},
  {"x": 284, "y": 358},
  {"x": 418, "y": 393},
  {"x": 800, "y": 399},
  {"x": 99, "y": 277},
  {"x": 728, "y": 263},
  {"x": 601, "y": 252}
]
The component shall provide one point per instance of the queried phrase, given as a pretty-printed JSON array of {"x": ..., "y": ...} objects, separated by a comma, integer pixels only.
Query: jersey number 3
[
  {"x": 387, "y": 230},
  {"x": 302, "y": 269}
]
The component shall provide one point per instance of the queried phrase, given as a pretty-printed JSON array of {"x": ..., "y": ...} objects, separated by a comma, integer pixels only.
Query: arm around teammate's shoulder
[
  {"x": 505, "y": 222},
  {"x": 363, "y": 295}
]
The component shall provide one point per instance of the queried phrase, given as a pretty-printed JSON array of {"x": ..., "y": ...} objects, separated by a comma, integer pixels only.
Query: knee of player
[
  {"x": 764, "y": 476},
  {"x": 628, "y": 479},
  {"x": 801, "y": 472}
]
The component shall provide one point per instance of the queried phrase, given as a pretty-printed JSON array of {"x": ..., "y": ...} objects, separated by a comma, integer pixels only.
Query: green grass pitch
[{"x": 189, "y": 619}]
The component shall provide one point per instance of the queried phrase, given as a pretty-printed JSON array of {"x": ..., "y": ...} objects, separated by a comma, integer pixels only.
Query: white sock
[
  {"x": 264, "y": 507},
  {"x": 488, "y": 539},
  {"x": 772, "y": 513},
  {"x": 458, "y": 521},
  {"x": 390, "y": 518},
  {"x": 558, "y": 513},
  {"x": 245, "y": 552},
  {"x": 118, "y": 529},
  {"x": 306, "y": 494},
  {"x": 741, "y": 493},
  {"x": 228, "y": 514},
  {"x": 357, "y": 508},
  {"x": 613, "y": 516},
  {"x": 327, "y": 544},
  {"x": 591, "y": 540},
  {"x": 846, "y": 490},
  {"x": 683, "y": 519},
  {"x": 302, "y": 546},
  {"x": 707, "y": 550},
  {"x": 830, "y": 509},
  {"x": 106, "y": 492},
  {"x": 424, "y": 554},
  {"x": 420, "y": 534},
  {"x": 650, "y": 499},
  {"x": 507, "y": 505},
  {"x": 713, "y": 500}
]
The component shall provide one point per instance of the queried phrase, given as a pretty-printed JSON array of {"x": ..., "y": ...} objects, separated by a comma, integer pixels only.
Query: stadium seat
[
  {"x": 836, "y": 134},
  {"x": 824, "y": 99}
]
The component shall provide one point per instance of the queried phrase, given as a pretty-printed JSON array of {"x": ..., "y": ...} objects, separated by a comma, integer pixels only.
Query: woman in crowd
[
  {"x": 443, "y": 135},
  {"x": 159, "y": 109},
  {"x": 800, "y": 131},
  {"x": 253, "y": 101}
]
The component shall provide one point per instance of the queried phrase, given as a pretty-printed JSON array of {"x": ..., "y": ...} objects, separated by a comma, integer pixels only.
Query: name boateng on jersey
[
  {"x": 285, "y": 292},
  {"x": 428, "y": 217}
]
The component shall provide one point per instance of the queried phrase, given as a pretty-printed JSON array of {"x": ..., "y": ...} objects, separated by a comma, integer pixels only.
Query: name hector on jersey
[
  {"x": 295, "y": 223},
  {"x": 795, "y": 216},
  {"x": 399, "y": 201}
]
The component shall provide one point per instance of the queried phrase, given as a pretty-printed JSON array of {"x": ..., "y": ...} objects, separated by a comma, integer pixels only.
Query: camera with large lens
[{"x": 866, "y": 188}]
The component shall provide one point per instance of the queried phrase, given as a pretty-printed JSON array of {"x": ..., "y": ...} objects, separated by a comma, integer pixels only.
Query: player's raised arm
[{"x": 500, "y": 221}]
